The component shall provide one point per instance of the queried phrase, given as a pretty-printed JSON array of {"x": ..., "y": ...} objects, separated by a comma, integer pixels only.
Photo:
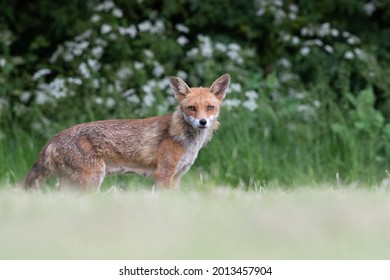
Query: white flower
[
  {"x": 105, "y": 6},
  {"x": 76, "y": 81},
  {"x": 181, "y": 40},
  {"x": 324, "y": 29},
  {"x": 293, "y": 8},
  {"x": 304, "y": 51},
  {"x": 138, "y": 65},
  {"x": 182, "y": 75},
  {"x": 250, "y": 104},
  {"x": 359, "y": 53},
  {"x": 308, "y": 112},
  {"x": 147, "y": 88},
  {"x": 305, "y": 31},
  {"x": 83, "y": 36},
  {"x": 133, "y": 99},
  {"x": 278, "y": 3},
  {"x": 233, "y": 55},
  {"x": 353, "y": 40},
  {"x": 346, "y": 34},
  {"x": 149, "y": 53},
  {"x": 128, "y": 92},
  {"x": 105, "y": 28},
  {"x": 234, "y": 47},
  {"x": 93, "y": 64},
  {"x": 149, "y": 99},
  {"x": 220, "y": 47},
  {"x": 251, "y": 94},
  {"x": 40, "y": 73},
  {"x": 124, "y": 73},
  {"x": 95, "y": 18},
  {"x": 117, "y": 13},
  {"x": 131, "y": 31},
  {"x": 328, "y": 49},
  {"x": 318, "y": 42},
  {"x": 2, "y": 62},
  {"x": 158, "y": 69},
  {"x": 205, "y": 46},
  {"x": 99, "y": 100},
  {"x": 279, "y": 16},
  {"x": 285, "y": 37},
  {"x": 57, "y": 88},
  {"x": 145, "y": 26},
  {"x": 97, "y": 51},
  {"x": 349, "y": 55},
  {"x": 287, "y": 76},
  {"x": 100, "y": 42},
  {"x": 260, "y": 12},
  {"x": 56, "y": 54},
  {"x": 84, "y": 70},
  {"x": 292, "y": 16},
  {"x": 193, "y": 52},
  {"x": 236, "y": 87},
  {"x": 25, "y": 96},
  {"x": 158, "y": 27},
  {"x": 95, "y": 83},
  {"x": 182, "y": 28},
  {"x": 41, "y": 97},
  {"x": 284, "y": 62},
  {"x": 369, "y": 8},
  {"x": 295, "y": 40},
  {"x": 231, "y": 103},
  {"x": 110, "y": 102},
  {"x": 334, "y": 32}
]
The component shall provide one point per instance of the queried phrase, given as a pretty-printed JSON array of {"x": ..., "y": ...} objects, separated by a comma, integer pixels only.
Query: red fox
[{"x": 164, "y": 147}]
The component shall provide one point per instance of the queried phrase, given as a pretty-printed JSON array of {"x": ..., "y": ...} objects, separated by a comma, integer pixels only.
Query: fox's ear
[
  {"x": 219, "y": 87},
  {"x": 179, "y": 88}
]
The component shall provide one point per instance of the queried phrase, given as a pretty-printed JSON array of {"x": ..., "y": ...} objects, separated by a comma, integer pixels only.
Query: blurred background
[{"x": 309, "y": 101}]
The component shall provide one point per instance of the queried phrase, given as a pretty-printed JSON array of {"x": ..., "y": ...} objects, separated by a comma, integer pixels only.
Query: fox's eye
[
  {"x": 191, "y": 108},
  {"x": 210, "y": 108}
]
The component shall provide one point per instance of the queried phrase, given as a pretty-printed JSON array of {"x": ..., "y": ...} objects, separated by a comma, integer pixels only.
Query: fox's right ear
[{"x": 179, "y": 88}]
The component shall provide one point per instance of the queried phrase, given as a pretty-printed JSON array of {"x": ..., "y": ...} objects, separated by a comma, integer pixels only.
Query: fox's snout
[{"x": 203, "y": 122}]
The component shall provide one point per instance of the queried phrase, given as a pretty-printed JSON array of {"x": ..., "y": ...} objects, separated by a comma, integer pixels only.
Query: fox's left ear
[{"x": 219, "y": 87}]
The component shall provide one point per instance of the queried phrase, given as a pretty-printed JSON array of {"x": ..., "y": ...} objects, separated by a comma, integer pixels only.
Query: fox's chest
[
  {"x": 191, "y": 153},
  {"x": 186, "y": 161}
]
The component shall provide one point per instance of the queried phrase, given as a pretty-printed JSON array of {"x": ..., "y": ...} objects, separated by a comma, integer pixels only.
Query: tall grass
[
  {"x": 267, "y": 146},
  {"x": 250, "y": 149}
]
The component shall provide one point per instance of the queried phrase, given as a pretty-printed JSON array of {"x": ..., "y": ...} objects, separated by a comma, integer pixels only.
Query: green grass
[
  {"x": 240, "y": 155},
  {"x": 316, "y": 222}
]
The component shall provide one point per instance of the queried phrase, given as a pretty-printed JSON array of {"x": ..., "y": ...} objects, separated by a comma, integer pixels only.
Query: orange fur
[{"x": 163, "y": 147}]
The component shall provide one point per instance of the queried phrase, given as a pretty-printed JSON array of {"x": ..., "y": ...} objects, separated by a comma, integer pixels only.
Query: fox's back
[{"x": 115, "y": 141}]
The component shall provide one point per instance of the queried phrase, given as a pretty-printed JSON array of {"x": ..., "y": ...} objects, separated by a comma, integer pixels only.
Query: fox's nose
[{"x": 203, "y": 122}]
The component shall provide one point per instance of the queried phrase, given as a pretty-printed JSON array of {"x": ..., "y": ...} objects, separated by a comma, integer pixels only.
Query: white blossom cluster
[
  {"x": 277, "y": 9},
  {"x": 139, "y": 80}
]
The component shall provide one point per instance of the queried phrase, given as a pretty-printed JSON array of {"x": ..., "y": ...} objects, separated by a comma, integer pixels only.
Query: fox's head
[{"x": 200, "y": 106}]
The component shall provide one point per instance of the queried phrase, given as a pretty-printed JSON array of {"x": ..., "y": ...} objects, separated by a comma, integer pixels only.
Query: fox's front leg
[
  {"x": 165, "y": 179},
  {"x": 168, "y": 157},
  {"x": 166, "y": 175}
]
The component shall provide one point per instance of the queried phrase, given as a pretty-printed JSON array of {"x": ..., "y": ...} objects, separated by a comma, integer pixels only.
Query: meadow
[{"x": 321, "y": 222}]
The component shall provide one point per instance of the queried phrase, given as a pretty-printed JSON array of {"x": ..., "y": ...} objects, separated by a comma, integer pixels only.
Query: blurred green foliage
[{"x": 310, "y": 94}]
